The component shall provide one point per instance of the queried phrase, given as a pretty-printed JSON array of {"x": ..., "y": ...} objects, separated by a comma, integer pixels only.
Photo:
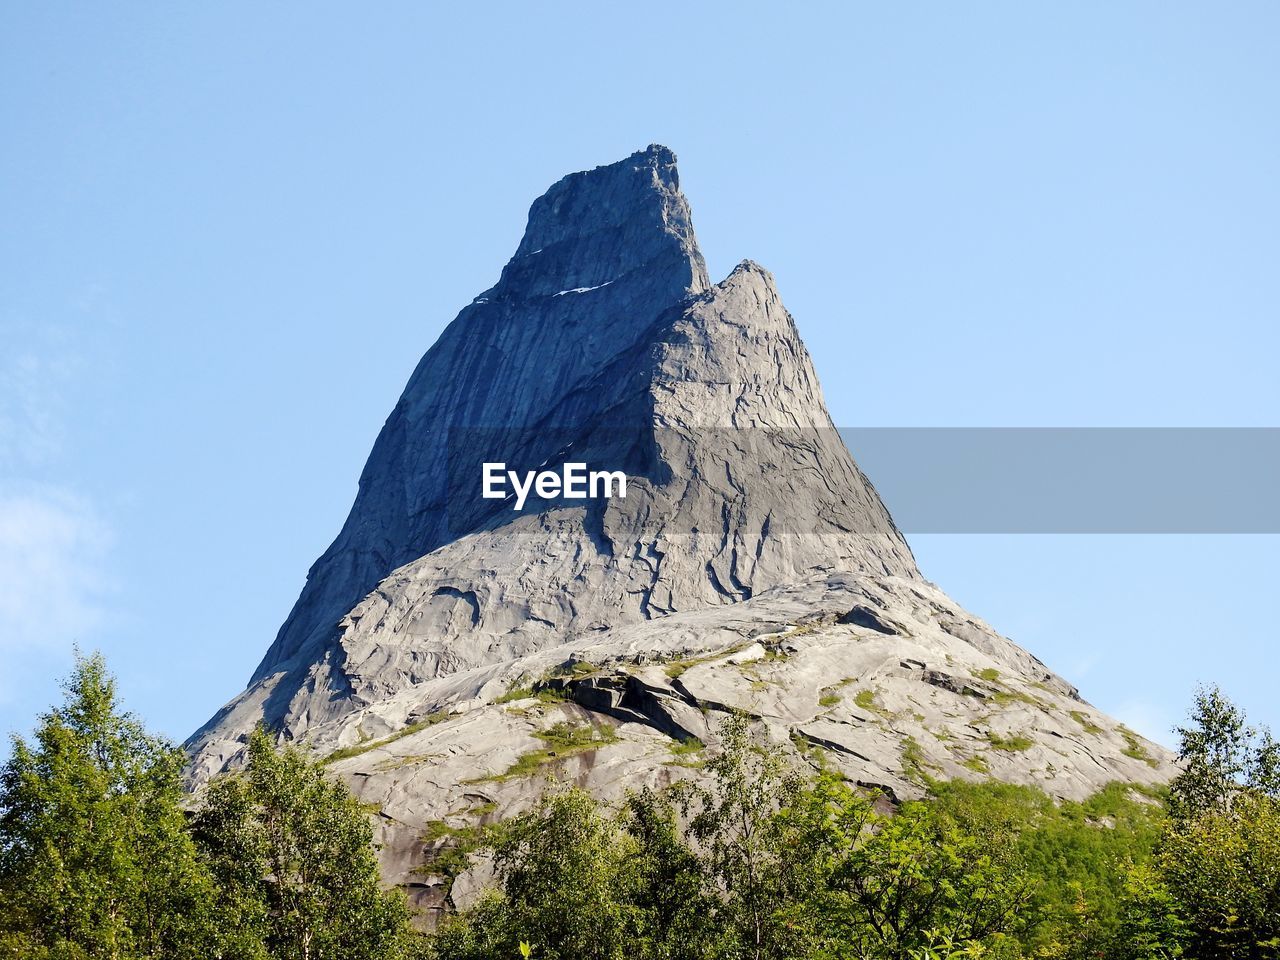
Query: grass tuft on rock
[
  {"x": 562, "y": 740},
  {"x": 866, "y": 699},
  {"x": 1089, "y": 726},
  {"x": 343, "y": 753},
  {"x": 1134, "y": 748},
  {"x": 1011, "y": 744}
]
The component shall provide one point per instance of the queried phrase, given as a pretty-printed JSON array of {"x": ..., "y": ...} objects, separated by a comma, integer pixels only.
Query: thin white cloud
[
  {"x": 53, "y": 581},
  {"x": 54, "y": 543},
  {"x": 40, "y": 364}
]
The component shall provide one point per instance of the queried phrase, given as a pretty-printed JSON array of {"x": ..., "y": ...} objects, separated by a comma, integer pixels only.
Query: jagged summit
[
  {"x": 603, "y": 224},
  {"x": 750, "y": 567},
  {"x": 511, "y": 359}
]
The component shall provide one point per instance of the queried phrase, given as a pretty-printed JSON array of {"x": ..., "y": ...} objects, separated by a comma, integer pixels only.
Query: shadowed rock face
[
  {"x": 751, "y": 566},
  {"x": 521, "y": 352}
]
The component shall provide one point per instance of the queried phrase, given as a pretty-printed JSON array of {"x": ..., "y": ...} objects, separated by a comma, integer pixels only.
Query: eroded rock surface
[{"x": 886, "y": 710}]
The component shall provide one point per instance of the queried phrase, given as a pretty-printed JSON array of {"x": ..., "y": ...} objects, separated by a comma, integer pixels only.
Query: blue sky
[{"x": 231, "y": 230}]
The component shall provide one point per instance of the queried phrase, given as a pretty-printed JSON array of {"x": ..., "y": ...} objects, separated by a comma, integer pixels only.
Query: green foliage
[
  {"x": 342, "y": 753},
  {"x": 1089, "y": 726},
  {"x": 673, "y": 909},
  {"x": 1218, "y": 866},
  {"x": 1006, "y": 696},
  {"x": 769, "y": 867},
  {"x": 989, "y": 673},
  {"x": 558, "y": 869},
  {"x": 1012, "y": 744},
  {"x": 687, "y": 746},
  {"x": 1223, "y": 871},
  {"x": 733, "y": 825},
  {"x": 687, "y": 752},
  {"x": 1221, "y": 755},
  {"x": 292, "y": 853},
  {"x": 99, "y": 860},
  {"x": 515, "y": 693},
  {"x": 1077, "y": 853},
  {"x": 866, "y": 699},
  {"x": 563, "y": 740},
  {"x": 564, "y": 736},
  {"x": 453, "y": 847},
  {"x": 575, "y": 668},
  {"x": 913, "y": 761},
  {"x": 1134, "y": 748},
  {"x": 1211, "y": 890},
  {"x": 780, "y": 866},
  {"x": 544, "y": 695},
  {"x": 95, "y": 860},
  {"x": 679, "y": 665},
  {"x": 877, "y": 886},
  {"x": 575, "y": 882}
]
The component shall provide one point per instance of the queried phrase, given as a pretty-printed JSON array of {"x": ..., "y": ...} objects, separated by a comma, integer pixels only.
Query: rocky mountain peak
[
  {"x": 605, "y": 252},
  {"x": 603, "y": 335},
  {"x": 750, "y": 567},
  {"x": 593, "y": 227}
]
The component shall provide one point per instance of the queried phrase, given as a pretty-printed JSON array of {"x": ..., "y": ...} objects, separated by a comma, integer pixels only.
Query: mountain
[{"x": 750, "y": 566}]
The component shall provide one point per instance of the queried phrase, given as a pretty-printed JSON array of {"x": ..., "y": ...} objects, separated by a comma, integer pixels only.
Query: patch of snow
[{"x": 583, "y": 289}]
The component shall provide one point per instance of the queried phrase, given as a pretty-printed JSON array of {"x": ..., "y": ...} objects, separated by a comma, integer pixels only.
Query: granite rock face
[{"x": 751, "y": 566}]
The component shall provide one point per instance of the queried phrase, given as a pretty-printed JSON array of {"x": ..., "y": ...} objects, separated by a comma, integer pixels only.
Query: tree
[
  {"x": 1150, "y": 926},
  {"x": 95, "y": 859},
  {"x": 560, "y": 872},
  {"x": 292, "y": 854},
  {"x": 674, "y": 910},
  {"x": 561, "y": 868},
  {"x": 735, "y": 827},
  {"x": 1220, "y": 858},
  {"x": 1223, "y": 871},
  {"x": 765, "y": 866},
  {"x": 1212, "y": 891},
  {"x": 1221, "y": 755},
  {"x": 909, "y": 884},
  {"x": 1078, "y": 853}
]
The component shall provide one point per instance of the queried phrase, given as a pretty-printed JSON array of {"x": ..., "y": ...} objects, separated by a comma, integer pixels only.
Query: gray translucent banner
[
  {"x": 1074, "y": 480},
  {"x": 932, "y": 480}
]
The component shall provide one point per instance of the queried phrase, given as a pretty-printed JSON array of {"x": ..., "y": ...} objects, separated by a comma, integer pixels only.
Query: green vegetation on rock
[
  {"x": 1134, "y": 748},
  {"x": 103, "y": 858},
  {"x": 563, "y": 739},
  {"x": 866, "y": 699},
  {"x": 1084, "y": 721},
  {"x": 355, "y": 750},
  {"x": 1012, "y": 744}
]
